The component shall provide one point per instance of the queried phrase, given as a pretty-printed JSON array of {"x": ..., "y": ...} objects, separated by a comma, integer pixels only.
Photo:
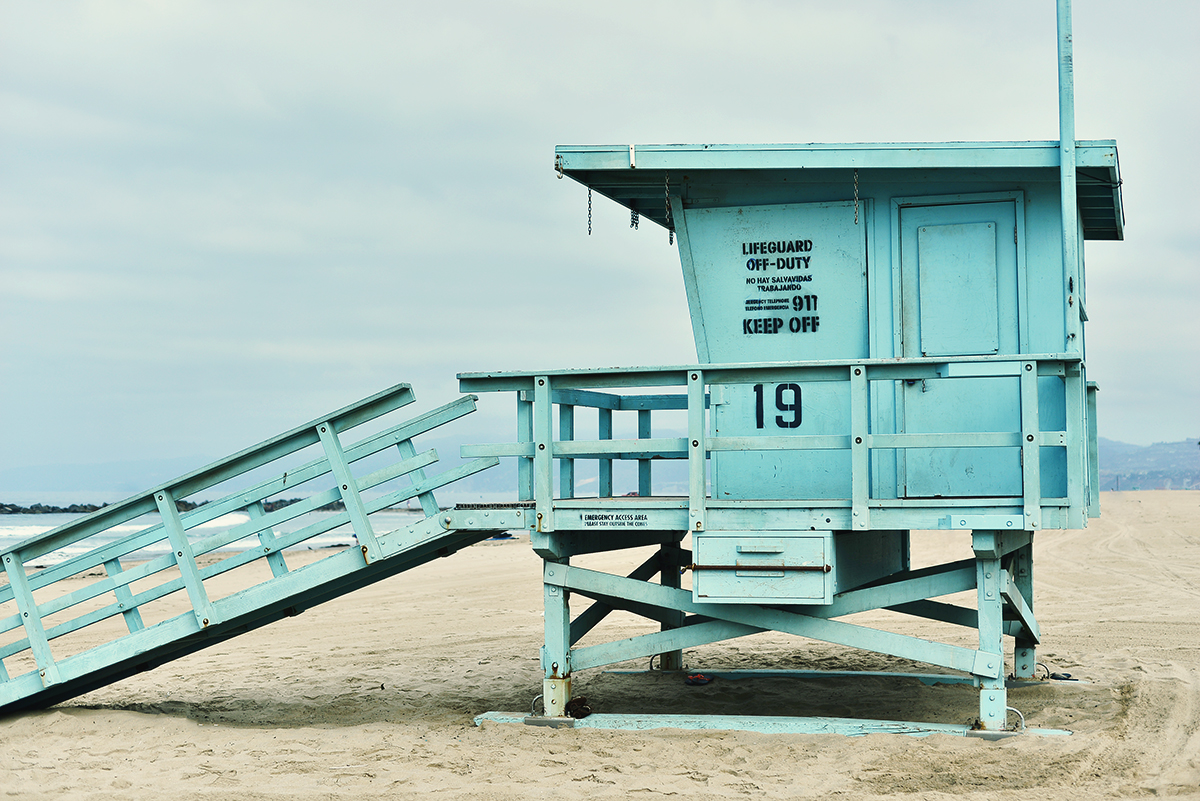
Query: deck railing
[{"x": 544, "y": 397}]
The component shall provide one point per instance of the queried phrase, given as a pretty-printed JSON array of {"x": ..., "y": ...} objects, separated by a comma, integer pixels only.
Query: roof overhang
[{"x": 635, "y": 175}]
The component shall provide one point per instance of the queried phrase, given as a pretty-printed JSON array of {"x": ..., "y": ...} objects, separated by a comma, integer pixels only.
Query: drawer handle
[{"x": 771, "y": 568}]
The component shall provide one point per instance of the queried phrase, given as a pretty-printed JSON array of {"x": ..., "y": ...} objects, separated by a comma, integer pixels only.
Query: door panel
[
  {"x": 959, "y": 298},
  {"x": 957, "y": 285}
]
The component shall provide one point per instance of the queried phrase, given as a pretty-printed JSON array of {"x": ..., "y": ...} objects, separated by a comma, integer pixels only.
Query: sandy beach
[{"x": 374, "y": 696}]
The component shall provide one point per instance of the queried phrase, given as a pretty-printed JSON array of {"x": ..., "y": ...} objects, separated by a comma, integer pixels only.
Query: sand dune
[{"x": 374, "y": 695}]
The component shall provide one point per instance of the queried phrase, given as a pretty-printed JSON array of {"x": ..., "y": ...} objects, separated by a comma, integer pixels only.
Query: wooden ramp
[{"x": 98, "y": 599}]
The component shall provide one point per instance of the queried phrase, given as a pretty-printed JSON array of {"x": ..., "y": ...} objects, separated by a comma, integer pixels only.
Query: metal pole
[{"x": 1066, "y": 141}]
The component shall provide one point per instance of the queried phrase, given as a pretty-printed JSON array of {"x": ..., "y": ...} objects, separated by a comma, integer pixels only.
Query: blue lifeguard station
[{"x": 889, "y": 339}]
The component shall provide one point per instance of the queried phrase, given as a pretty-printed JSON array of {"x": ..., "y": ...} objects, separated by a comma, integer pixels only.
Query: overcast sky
[{"x": 221, "y": 219}]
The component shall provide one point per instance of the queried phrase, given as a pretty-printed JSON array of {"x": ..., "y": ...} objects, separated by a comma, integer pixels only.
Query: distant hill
[{"x": 1163, "y": 465}]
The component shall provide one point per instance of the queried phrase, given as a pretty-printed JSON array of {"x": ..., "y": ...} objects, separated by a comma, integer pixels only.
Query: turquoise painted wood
[
  {"x": 67, "y": 627},
  {"x": 888, "y": 339},
  {"x": 817, "y": 252}
]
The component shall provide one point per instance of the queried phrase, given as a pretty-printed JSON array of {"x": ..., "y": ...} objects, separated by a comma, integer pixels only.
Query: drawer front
[{"x": 763, "y": 567}]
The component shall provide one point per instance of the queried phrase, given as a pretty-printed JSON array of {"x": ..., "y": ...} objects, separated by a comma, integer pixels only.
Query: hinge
[{"x": 1014, "y": 234}]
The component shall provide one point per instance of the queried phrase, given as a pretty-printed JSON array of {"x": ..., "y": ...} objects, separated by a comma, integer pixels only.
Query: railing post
[
  {"x": 1092, "y": 431},
  {"x": 348, "y": 488},
  {"x": 697, "y": 461},
  {"x": 202, "y": 607},
  {"x": 1075, "y": 388},
  {"x": 1031, "y": 447},
  {"x": 31, "y": 619},
  {"x": 524, "y": 434},
  {"x": 566, "y": 467},
  {"x": 644, "y": 470},
  {"x": 860, "y": 404},
  {"x": 543, "y": 454},
  {"x": 606, "y": 465}
]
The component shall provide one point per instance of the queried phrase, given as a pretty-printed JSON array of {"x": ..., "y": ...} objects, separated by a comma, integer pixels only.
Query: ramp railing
[{"x": 85, "y": 602}]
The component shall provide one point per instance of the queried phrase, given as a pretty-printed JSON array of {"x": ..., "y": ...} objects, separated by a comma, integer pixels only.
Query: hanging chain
[
  {"x": 856, "y": 197},
  {"x": 634, "y": 219},
  {"x": 667, "y": 202},
  {"x": 589, "y": 211}
]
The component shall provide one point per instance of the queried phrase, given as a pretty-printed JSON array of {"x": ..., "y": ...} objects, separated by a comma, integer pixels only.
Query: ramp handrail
[{"x": 122, "y": 591}]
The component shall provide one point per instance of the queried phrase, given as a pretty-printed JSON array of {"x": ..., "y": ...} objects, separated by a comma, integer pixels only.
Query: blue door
[{"x": 959, "y": 297}]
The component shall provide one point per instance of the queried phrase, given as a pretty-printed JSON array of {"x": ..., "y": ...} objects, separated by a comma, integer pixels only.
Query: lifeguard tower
[{"x": 889, "y": 338}]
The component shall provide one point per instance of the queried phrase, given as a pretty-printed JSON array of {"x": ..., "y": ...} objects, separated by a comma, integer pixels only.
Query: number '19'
[{"x": 787, "y": 400}]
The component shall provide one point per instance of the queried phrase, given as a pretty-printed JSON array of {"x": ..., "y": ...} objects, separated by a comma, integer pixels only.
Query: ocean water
[{"x": 15, "y": 529}]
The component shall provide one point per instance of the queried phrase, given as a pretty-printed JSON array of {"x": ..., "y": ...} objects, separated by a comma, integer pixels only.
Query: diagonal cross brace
[
  {"x": 1012, "y": 594},
  {"x": 946, "y": 580},
  {"x": 949, "y": 656},
  {"x": 591, "y": 617},
  {"x": 658, "y": 642}
]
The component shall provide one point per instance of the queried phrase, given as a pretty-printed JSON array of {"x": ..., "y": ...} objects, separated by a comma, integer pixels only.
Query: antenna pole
[{"x": 1066, "y": 143}]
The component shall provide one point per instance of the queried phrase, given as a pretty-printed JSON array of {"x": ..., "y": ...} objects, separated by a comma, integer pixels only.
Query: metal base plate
[
  {"x": 930, "y": 679},
  {"x": 850, "y": 727}
]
